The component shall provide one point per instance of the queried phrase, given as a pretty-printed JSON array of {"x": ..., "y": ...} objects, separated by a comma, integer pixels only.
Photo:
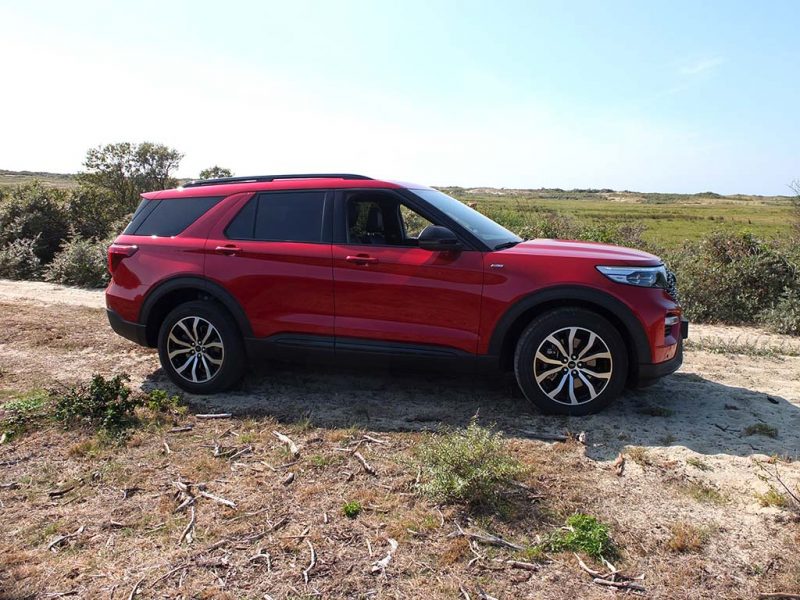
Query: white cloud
[{"x": 701, "y": 66}]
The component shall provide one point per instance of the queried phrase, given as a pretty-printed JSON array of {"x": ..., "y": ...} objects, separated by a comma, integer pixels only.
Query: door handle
[
  {"x": 228, "y": 250},
  {"x": 361, "y": 259}
]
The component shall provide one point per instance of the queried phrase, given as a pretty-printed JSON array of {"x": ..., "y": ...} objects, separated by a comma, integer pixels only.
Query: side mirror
[{"x": 436, "y": 238}]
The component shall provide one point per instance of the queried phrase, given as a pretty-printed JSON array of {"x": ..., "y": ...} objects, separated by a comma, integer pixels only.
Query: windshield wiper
[{"x": 506, "y": 245}]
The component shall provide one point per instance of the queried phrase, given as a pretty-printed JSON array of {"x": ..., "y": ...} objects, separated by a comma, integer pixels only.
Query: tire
[
  {"x": 575, "y": 386},
  {"x": 208, "y": 338}
]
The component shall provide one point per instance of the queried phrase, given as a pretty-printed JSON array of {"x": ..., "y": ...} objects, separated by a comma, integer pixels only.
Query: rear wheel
[
  {"x": 571, "y": 361},
  {"x": 200, "y": 348}
]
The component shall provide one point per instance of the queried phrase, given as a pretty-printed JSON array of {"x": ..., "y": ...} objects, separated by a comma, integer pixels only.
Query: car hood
[{"x": 601, "y": 253}]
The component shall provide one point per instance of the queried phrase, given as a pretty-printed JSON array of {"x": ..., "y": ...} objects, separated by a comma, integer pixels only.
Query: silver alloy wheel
[
  {"x": 572, "y": 365},
  {"x": 195, "y": 350}
]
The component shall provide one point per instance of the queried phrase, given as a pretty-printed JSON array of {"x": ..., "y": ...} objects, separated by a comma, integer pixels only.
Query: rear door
[
  {"x": 274, "y": 255},
  {"x": 393, "y": 296}
]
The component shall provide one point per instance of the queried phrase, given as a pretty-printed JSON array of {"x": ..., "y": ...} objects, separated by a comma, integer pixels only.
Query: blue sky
[{"x": 672, "y": 97}]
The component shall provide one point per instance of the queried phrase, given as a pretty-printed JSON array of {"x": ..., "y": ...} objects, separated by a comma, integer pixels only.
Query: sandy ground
[{"x": 689, "y": 429}]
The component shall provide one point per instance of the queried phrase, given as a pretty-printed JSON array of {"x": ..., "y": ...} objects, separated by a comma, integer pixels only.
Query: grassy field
[{"x": 668, "y": 218}]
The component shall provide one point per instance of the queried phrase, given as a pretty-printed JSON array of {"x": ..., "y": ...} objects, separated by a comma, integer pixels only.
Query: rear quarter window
[
  {"x": 168, "y": 217},
  {"x": 296, "y": 216}
]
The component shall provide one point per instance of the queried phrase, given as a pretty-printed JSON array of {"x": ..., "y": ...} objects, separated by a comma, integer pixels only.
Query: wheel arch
[
  {"x": 513, "y": 322},
  {"x": 172, "y": 292}
]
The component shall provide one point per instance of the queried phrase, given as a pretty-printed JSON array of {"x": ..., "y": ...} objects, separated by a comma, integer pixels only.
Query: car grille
[{"x": 672, "y": 285}]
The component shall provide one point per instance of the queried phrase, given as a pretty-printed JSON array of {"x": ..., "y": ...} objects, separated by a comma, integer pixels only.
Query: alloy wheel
[
  {"x": 195, "y": 349},
  {"x": 573, "y": 365}
]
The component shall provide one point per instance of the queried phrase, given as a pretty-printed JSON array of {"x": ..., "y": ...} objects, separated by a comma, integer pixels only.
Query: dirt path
[{"x": 57, "y": 333}]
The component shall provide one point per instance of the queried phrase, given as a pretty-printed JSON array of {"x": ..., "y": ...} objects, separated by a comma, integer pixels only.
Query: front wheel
[
  {"x": 571, "y": 361},
  {"x": 200, "y": 348}
]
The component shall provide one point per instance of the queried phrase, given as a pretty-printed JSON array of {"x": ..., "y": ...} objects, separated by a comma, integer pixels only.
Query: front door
[{"x": 392, "y": 295}]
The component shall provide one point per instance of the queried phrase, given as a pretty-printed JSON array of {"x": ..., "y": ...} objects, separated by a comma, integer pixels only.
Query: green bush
[
  {"x": 583, "y": 533},
  {"x": 80, "y": 262},
  {"x": 784, "y": 317},
  {"x": 107, "y": 404},
  {"x": 93, "y": 214},
  {"x": 470, "y": 466},
  {"x": 34, "y": 212},
  {"x": 18, "y": 260},
  {"x": 731, "y": 277},
  {"x": 351, "y": 509}
]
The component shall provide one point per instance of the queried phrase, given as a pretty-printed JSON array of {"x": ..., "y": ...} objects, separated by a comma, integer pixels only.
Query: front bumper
[
  {"x": 132, "y": 331},
  {"x": 649, "y": 373}
]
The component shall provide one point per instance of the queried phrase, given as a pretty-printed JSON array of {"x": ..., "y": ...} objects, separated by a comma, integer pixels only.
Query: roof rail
[{"x": 267, "y": 178}]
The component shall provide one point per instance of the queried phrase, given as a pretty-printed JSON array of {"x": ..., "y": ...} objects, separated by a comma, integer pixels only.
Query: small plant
[
  {"x": 470, "y": 466},
  {"x": 761, "y": 429},
  {"x": 698, "y": 464},
  {"x": 704, "y": 493},
  {"x": 107, "y": 404},
  {"x": 159, "y": 401},
  {"x": 351, "y": 509},
  {"x": 784, "y": 317},
  {"x": 583, "y": 533},
  {"x": 656, "y": 411},
  {"x": 773, "y": 497},
  {"x": 319, "y": 461},
  {"x": 640, "y": 456},
  {"x": 685, "y": 537},
  {"x": 24, "y": 413}
]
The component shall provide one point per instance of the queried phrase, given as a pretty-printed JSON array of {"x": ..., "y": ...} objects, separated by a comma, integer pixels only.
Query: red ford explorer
[{"x": 220, "y": 270}]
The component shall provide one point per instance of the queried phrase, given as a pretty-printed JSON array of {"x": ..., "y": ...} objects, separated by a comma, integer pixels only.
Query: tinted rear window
[
  {"x": 166, "y": 218},
  {"x": 280, "y": 216}
]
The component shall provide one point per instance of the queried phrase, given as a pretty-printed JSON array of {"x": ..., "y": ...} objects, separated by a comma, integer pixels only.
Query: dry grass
[{"x": 686, "y": 537}]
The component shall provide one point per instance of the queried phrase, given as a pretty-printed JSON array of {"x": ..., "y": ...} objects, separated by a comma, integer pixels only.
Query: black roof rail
[{"x": 267, "y": 178}]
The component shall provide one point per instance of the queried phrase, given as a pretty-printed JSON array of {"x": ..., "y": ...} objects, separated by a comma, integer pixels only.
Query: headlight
[{"x": 641, "y": 276}]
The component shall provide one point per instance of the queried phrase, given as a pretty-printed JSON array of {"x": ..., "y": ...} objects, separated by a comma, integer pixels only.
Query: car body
[{"x": 345, "y": 265}]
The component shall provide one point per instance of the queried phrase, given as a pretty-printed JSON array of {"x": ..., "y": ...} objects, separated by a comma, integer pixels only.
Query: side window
[
  {"x": 168, "y": 217},
  {"x": 243, "y": 226},
  {"x": 379, "y": 219},
  {"x": 290, "y": 216},
  {"x": 413, "y": 222}
]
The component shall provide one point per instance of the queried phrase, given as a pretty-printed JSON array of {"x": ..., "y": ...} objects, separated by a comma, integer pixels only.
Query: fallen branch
[
  {"x": 180, "y": 429},
  {"x": 63, "y": 538},
  {"x": 189, "y": 530},
  {"x": 369, "y": 438},
  {"x": 779, "y": 595},
  {"x": 380, "y": 566},
  {"x": 312, "y": 563},
  {"x": 214, "y": 416},
  {"x": 292, "y": 447},
  {"x": 483, "y": 595},
  {"x": 518, "y": 564},
  {"x": 486, "y": 538},
  {"x": 265, "y": 555},
  {"x": 135, "y": 589},
  {"x": 288, "y": 479},
  {"x": 367, "y": 467},
  {"x": 61, "y": 492},
  {"x": 227, "y": 503},
  {"x": 622, "y": 585},
  {"x": 544, "y": 437}
]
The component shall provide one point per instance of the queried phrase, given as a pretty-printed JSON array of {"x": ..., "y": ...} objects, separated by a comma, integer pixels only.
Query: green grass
[
  {"x": 761, "y": 429},
  {"x": 583, "y": 533},
  {"x": 669, "y": 218}
]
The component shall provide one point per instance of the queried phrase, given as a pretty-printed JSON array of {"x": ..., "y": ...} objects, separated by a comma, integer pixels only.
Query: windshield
[{"x": 489, "y": 232}]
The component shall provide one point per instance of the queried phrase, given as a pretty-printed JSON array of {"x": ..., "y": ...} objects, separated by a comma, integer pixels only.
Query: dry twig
[
  {"x": 293, "y": 449},
  {"x": 228, "y": 503},
  {"x": 380, "y": 566},
  {"x": 214, "y": 416},
  {"x": 367, "y": 467},
  {"x": 313, "y": 562},
  {"x": 486, "y": 538},
  {"x": 189, "y": 530}
]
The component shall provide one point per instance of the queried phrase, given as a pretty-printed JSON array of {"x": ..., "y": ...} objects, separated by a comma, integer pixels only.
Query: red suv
[{"x": 220, "y": 270}]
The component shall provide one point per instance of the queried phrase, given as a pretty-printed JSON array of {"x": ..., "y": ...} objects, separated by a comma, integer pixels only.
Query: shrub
[
  {"x": 351, "y": 509},
  {"x": 18, "y": 260},
  {"x": 92, "y": 212},
  {"x": 107, "y": 404},
  {"x": 731, "y": 277},
  {"x": 784, "y": 317},
  {"x": 583, "y": 533},
  {"x": 470, "y": 466},
  {"x": 80, "y": 262},
  {"x": 159, "y": 401},
  {"x": 34, "y": 212}
]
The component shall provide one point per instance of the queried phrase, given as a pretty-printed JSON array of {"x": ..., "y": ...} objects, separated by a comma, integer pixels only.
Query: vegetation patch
[
  {"x": 761, "y": 429},
  {"x": 685, "y": 537},
  {"x": 583, "y": 533},
  {"x": 469, "y": 466},
  {"x": 351, "y": 509}
]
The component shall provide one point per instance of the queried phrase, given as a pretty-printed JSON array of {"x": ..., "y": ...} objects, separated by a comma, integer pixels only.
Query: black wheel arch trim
[
  {"x": 585, "y": 296},
  {"x": 213, "y": 290}
]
